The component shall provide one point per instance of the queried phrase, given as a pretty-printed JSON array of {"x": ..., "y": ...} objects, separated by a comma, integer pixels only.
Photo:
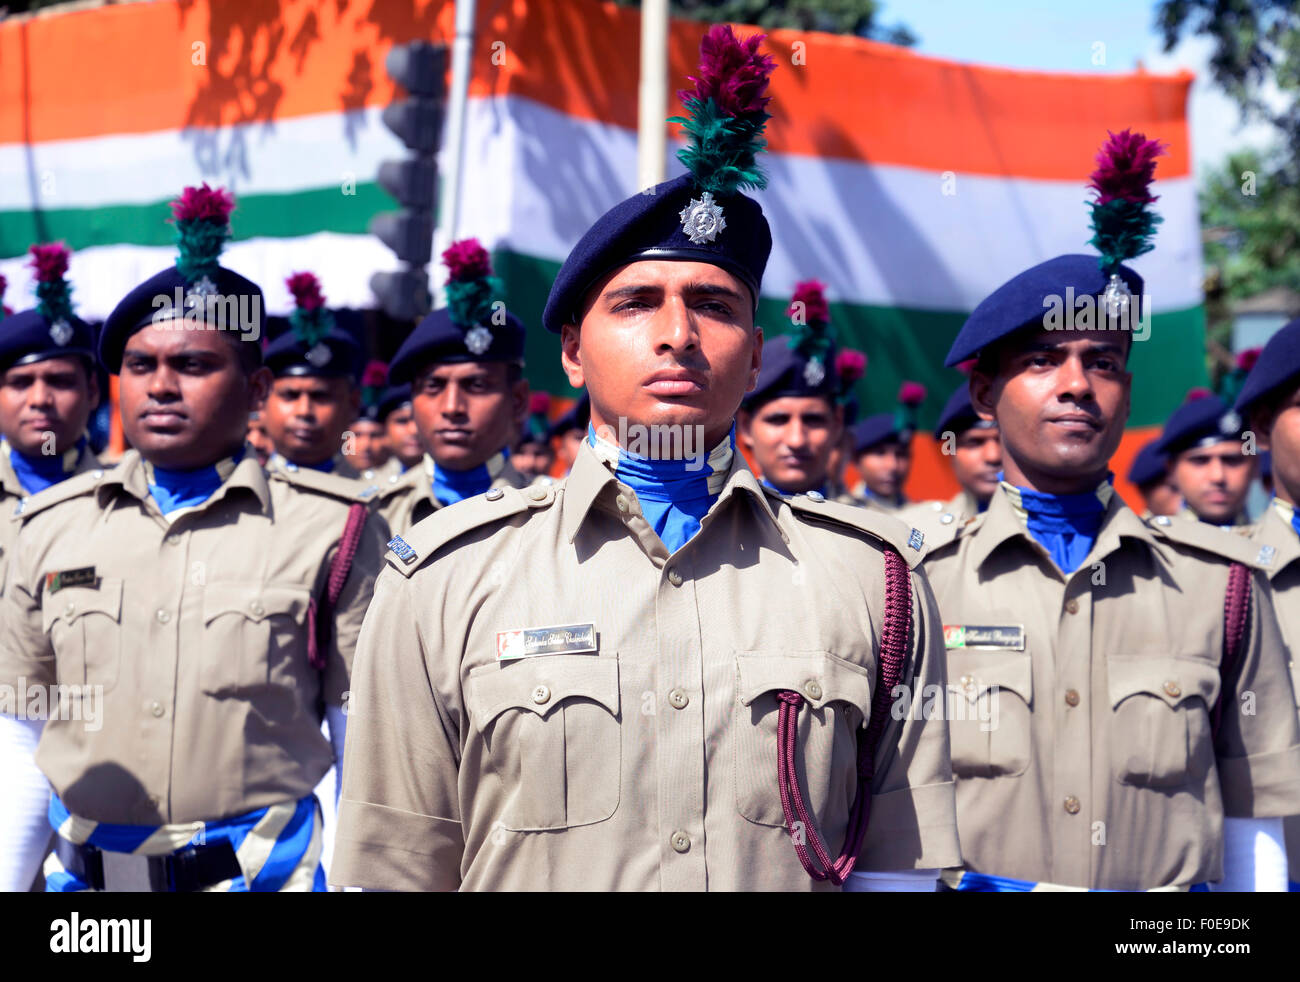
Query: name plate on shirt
[
  {"x": 564, "y": 639},
  {"x": 85, "y": 576},
  {"x": 1003, "y": 637}
]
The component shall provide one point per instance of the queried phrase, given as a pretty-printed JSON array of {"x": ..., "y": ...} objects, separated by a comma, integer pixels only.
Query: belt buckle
[{"x": 125, "y": 872}]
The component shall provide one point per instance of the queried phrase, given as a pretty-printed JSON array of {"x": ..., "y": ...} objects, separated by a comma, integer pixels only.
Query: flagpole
[
  {"x": 448, "y": 227},
  {"x": 652, "y": 95}
]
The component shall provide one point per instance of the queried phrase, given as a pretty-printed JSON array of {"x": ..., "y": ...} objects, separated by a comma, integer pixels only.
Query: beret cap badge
[
  {"x": 478, "y": 339},
  {"x": 702, "y": 219},
  {"x": 61, "y": 332}
]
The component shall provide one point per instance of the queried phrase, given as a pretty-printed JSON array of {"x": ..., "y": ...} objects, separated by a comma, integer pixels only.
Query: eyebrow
[
  {"x": 694, "y": 287},
  {"x": 1097, "y": 347}
]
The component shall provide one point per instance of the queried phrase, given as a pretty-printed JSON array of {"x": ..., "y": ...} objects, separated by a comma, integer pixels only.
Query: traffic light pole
[{"x": 462, "y": 51}]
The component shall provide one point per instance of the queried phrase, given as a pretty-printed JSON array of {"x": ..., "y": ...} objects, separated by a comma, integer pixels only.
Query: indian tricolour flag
[{"x": 910, "y": 185}]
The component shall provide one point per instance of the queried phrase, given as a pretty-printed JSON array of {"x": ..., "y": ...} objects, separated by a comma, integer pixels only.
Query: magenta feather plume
[
  {"x": 810, "y": 299},
  {"x": 733, "y": 73},
  {"x": 50, "y": 261},
  {"x": 1126, "y": 166},
  {"x": 1246, "y": 360},
  {"x": 375, "y": 374},
  {"x": 911, "y": 393},
  {"x": 850, "y": 365},
  {"x": 203, "y": 204},
  {"x": 467, "y": 260},
  {"x": 539, "y": 403},
  {"x": 306, "y": 291},
  {"x": 1197, "y": 393}
]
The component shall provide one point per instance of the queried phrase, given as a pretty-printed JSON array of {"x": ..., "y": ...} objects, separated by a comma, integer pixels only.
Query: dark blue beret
[
  {"x": 1199, "y": 421},
  {"x": 224, "y": 300},
  {"x": 1019, "y": 303},
  {"x": 1148, "y": 466},
  {"x": 1265, "y": 464},
  {"x": 29, "y": 336},
  {"x": 787, "y": 371},
  {"x": 393, "y": 399},
  {"x": 649, "y": 225},
  {"x": 878, "y": 429},
  {"x": 958, "y": 414},
  {"x": 1278, "y": 365},
  {"x": 438, "y": 339},
  {"x": 576, "y": 417},
  {"x": 336, "y": 355}
]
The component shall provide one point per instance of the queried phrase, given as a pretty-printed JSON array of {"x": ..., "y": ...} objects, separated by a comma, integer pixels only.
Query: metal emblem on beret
[
  {"x": 478, "y": 339},
  {"x": 319, "y": 354},
  {"x": 1230, "y": 422},
  {"x": 702, "y": 219},
  {"x": 813, "y": 372},
  {"x": 202, "y": 288},
  {"x": 1116, "y": 297},
  {"x": 61, "y": 332}
]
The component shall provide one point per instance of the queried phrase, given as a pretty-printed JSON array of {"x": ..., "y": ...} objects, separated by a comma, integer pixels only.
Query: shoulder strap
[
  {"x": 318, "y": 621},
  {"x": 895, "y": 640},
  {"x": 1236, "y": 621}
]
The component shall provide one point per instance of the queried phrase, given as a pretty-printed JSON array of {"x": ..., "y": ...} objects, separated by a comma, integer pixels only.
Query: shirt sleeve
[
  {"x": 913, "y": 821},
  {"x": 399, "y": 817},
  {"x": 351, "y": 610},
  {"x": 26, "y": 655},
  {"x": 1258, "y": 745}
]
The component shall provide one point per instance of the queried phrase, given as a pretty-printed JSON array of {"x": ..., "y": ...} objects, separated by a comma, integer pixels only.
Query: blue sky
[{"x": 1060, "y": 35}]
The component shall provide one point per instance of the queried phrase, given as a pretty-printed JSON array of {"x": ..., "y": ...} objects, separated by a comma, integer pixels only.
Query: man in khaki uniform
[
  {"x": 464, "y": 364},
  {"x": 181, "y": 604},
  {"x": 882, "y": 453},
  {"x": 594, "y": 684},
  {"x": 1085, "y": 646},
  {"x": 48, "y": 389},
  {"x": 1203, "y": 445},
  {"x": 1150, "y": 476},
  {"x": 1271, "y": 397},
  {"x": 976, "y": 454}
]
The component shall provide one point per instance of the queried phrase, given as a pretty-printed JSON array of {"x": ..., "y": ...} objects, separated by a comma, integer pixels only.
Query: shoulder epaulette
[
  {"x": 908, "y": 541},
  {"x": 407, "y": 553},
  {"x": 71, "y": 487},
  {"x": 1206, "y": 538},
  {"x": 343, "y": 488}
]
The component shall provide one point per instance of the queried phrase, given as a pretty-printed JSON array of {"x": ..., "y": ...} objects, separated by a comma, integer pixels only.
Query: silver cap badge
[{"x": 702, "y": 219}]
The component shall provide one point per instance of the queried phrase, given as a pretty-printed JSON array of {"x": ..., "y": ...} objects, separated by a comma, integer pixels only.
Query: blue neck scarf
[
  {"x": 173, "y": 489},
  {"x": 45, "y": 470},
  {"x": 1066, "y": 525},
  {"x": 872, "y": 496},
  {"x": 820, "y": 489},
  {"x": 1289, "y": 512},
  {"x": 674, "y": 494},
  {"x": 452, "y": 486},
  {"x": 326, "y": 466}
]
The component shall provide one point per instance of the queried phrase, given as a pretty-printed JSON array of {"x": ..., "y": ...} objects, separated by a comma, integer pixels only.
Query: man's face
[
  {"x": 368, "y": 446},
  {"x": 1162, "y": 498},
  {"x": 466, "y": 411},
  {"x": 307, "y": 416},
  {"x": 665, "y": 344},
  {"x": 1061, "y": 399},
  {"x": 884, "y": 468},
  {"x": 1280, "y": 433},
  {"x": 404, "y": 435},
  {"x": 792, "y": 439},
  {"x": 44, "y": 405},
  {"x": 977, "y": 460},
  {"x": 258, "y": 438},
  {"x": 570, "y": 444},
  {"x": 184, "y": 397},
  {"x": 533, "y": 459},
  {"x": 1214, "y": 480}
]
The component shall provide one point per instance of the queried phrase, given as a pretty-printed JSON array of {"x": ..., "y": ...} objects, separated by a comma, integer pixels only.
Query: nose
[
  {"x": 992, "y": 452},
  {"x": 1216, "y": 471},
  {"x": 451, "y": 404},
  {"x": 1072, "y": 379},
  {"x": 674, "y": 327},
  {"x": 40, "y": 394},
  {"x": 796, "y": 434}
]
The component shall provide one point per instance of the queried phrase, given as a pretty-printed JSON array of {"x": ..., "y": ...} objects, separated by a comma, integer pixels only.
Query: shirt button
[
  {"x": 1072, "y": 606},
  {"x": 495, "y": 494},
  {"x": 966, "y": 681},
  {"x": 678, "y": 698},
  {"x": 163, "y": 617},
  {"x": 816, "y": 496},
  {"x": 1072, "y": 805},
  {"x": 681, "y": 841},
  {"x": 156, "y": 708},
  {"x": 537, "y": 492},
  {"x": 1072, "y": 698},
  {"x": 257, "y": 609},
  {"x": 621, "y": 503},
  {"x": 674, "y": 577},
  {"x": 1171, "y": 688},
  {"x": 541, "y": 694},
  {"x": 69, "y": 610},
  {"x": 813, "y": 689}
]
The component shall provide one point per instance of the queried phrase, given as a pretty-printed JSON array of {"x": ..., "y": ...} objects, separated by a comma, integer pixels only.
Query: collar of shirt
[
  {"x": 327, "y": 466},
  {"x": 822, "y": 489},
  {"x": 1066, "y": 525},
  {"x": 452, "y": 486},
  {"x": 1288, "y": 513},
  {"x": 175, "y": 490},
  {"x": 44, "y": 470},
  {"x": 674, "y": 493},
  {"x": 896, "y": 502},
  {"x": 134, "y": 475},
  {"x": 591, "y": 482},
  {"x": 1004, "y": 521}
]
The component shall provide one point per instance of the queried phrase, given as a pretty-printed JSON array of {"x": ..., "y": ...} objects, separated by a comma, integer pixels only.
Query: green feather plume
[{"x": 469, "y": 302}]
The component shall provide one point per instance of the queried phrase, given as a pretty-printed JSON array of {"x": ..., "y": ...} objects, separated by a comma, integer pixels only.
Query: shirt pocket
[
  {"x": 84, "y": 625},
  {"x": 252, "y": 634},
  {"x": 990, "y": 694},
  {"x": 551, "y": 729},
  {"x": 1161, "y": 730},
  {"x": 836, "y": 703}
]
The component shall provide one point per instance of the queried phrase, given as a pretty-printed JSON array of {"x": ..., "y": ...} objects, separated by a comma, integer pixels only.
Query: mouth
[
  {"x": 675, "y": 382},
  {"x": 40, "y": 423},
  {"x": 1076, "y": 422},
  {"x": 303, "y": 436},
  {"x": 162, "y": 417},
  {"x": 454, "y": 437}
]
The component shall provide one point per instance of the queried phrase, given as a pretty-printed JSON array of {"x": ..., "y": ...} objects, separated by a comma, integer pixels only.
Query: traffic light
[{"x": 419, "y": 67}]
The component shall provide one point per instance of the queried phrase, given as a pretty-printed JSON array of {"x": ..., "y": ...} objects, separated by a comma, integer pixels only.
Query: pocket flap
[
  {"x": 1167, "y": 677},
  {"x": 973, "y": 673},
  {"x": 819, "y": 676},
  {"x": 253, "y": 601},
  {"x": 72, "y": 601},
  {"x": 541, "y": 683}
]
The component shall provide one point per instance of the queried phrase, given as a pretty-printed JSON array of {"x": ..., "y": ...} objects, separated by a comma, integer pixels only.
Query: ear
[
  {"x": 259, "y": 387},
  {"x": 756, "y": 359},
  {"x": 743, "y": 421},
  {"x": 92, "y": 388},
  {"x": 1261, "y": 423},
  {"x": 571, "y": 355},
  {"x": 982, "y": 398},
  {"x": 520, "y": 393}
]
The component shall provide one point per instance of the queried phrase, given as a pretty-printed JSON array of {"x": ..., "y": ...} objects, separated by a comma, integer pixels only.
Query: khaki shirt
[
  {"x": 1282, "y": 566},
  {"x": 344, "y": 469},
  {"x": 931, "y": 517},
  {"x": 12, "y": 492},
  {"x": 1083, "y": 755},
  {"x": 650, "y": 763},
  {"x": 193, "y": 634},
  {"x": 408, "y": 498}
]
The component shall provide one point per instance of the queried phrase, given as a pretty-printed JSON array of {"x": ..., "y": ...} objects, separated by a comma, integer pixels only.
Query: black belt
[{"x": 183, "y": 871}]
